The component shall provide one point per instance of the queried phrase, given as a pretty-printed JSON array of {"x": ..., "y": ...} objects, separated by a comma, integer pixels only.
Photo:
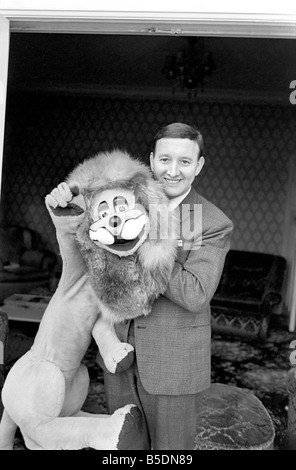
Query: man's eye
[{"x": 185, "y": 162}]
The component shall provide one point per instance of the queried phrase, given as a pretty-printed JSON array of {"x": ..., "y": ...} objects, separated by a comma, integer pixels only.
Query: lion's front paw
[
  {"x": 60, "y": 196},
  {"x": 63, "y": 201},
  {"x": 120, "y": 358}
]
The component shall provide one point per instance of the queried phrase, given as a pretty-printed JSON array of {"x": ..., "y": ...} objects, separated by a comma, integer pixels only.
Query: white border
[
  {"x": 167, "y": 6},
  {"x": 259, "y": 18},
  {"x": 4, "y": 53}
]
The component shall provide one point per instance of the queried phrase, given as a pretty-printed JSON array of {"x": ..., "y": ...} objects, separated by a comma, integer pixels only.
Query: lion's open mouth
[
  {"x": 121, "y": 244},
  {"x": 122, "y": 241}
]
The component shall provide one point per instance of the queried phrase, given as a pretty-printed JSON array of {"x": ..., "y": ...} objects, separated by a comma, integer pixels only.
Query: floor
[{"x": 258, "y": 366}]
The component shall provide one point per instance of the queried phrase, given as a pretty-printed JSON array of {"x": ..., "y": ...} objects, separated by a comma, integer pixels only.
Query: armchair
[
  {"x": 249, "y": 289},
  {"x": 24, "y": 264}
]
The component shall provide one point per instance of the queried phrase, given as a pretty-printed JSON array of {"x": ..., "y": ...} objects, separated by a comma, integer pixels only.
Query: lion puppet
[{"x": 117, "y": 241}]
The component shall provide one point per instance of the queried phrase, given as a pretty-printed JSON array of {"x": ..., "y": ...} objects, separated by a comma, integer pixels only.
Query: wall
[{"x": 248, "y": 148}]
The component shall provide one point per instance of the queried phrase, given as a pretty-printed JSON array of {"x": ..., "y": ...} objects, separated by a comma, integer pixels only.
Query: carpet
[{"x": 260, "y": 367}]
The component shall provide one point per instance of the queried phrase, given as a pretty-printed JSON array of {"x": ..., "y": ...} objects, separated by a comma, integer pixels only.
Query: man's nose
[{"x": 173, "y": 170}]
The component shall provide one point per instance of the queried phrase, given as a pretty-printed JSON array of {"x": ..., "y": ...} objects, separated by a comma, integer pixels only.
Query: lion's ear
[
  {"x": 150, "y": 192},
  {"x": 139, "y": 179},
  {"x": 162, "y": 222}
]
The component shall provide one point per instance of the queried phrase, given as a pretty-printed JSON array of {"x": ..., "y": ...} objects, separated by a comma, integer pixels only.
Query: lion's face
[{"x": 120, "y": 225}]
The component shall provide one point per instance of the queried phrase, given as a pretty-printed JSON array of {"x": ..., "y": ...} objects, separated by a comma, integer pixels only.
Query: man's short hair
[{"x": 179, "y": 130}]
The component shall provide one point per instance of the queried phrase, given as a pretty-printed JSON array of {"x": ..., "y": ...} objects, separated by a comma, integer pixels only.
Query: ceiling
[{"x": 253, "y": 67}]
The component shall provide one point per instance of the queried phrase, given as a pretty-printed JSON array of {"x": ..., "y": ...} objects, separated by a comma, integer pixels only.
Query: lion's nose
[{"x": 114, "y": 221}]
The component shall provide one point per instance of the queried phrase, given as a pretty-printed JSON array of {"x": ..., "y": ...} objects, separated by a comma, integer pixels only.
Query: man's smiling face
[{"x": 175, "y": 163}]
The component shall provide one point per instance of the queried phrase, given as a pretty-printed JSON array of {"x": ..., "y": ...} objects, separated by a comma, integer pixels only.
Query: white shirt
[{"x": 177, "y": 200}]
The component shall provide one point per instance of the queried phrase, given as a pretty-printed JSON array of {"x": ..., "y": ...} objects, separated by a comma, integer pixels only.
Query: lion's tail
[{"x": 7, "y": 431}]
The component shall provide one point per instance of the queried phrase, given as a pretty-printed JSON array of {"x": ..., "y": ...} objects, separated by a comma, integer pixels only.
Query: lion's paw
[
  {"x": 60, "y": 196},
  {"x": 133, "y": 434},
  {"x": 120, "y": 358},
  {"x": 125, "y": 429},
  {"x": 65, "y": 201}
]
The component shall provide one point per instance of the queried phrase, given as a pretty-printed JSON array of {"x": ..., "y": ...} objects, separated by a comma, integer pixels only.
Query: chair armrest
[
  {"x": 270, "y": 299},
  {"x": 276, "y": 275},
  {"x": 42, "y": 260}
]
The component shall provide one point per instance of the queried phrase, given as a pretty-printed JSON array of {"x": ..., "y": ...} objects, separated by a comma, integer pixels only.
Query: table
[{"x": 25, "y": 307}]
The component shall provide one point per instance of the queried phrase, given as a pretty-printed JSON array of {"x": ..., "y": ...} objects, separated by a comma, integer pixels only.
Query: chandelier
[{"x": 187, "y": 69}]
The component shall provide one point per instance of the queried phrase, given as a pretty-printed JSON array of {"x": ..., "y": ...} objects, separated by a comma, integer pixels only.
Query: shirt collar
[{"x": 173, "y": 203}]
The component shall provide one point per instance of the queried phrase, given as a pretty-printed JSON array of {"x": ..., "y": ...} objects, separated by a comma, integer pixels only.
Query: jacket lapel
[{"x": 190, "y": 220}]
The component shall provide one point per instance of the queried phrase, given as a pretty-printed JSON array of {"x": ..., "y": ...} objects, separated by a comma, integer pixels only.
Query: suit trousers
[{"x": 170, "y": 419}]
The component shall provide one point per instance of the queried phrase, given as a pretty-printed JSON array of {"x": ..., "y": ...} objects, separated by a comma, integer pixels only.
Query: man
[{"x": 172, "y": 344}]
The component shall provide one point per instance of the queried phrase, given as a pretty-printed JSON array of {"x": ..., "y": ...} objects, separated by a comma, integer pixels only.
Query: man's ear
[
  {"x": 200, "y": 164},
  {"x": 152, "y": 161}
]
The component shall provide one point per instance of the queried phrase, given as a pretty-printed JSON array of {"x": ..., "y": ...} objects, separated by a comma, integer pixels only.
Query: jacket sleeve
[{"x": 194, "y": 282}]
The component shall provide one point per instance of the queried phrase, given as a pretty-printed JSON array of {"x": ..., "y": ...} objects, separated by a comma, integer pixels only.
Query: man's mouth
[{"x": 172, "y": 181}]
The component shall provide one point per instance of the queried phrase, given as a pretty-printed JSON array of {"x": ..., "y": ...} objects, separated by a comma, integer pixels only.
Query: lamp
[{"x": 187, "y": 68}]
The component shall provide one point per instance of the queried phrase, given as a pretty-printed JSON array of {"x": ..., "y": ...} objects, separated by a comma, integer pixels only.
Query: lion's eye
[
  {"x": 120, "y": 204},
  {"x": 103, "y": 210},
  {"x": 122, "y": 208},
  {"x": 103, "y": 214}
]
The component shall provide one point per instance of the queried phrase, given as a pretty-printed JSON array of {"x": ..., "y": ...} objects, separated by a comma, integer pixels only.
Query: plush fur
[
  {"x": 127, "y": 285},
  {"x": 46, "y": 388}
]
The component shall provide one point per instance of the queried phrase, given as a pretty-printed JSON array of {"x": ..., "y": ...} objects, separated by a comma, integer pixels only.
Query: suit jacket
[{"x": 173, "y": 343}]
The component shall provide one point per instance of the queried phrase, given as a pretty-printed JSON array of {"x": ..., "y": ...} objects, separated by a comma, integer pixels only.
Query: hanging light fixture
[{"x": 188, "y": 67}]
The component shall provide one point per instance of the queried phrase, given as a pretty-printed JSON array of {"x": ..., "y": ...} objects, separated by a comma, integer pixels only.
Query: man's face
[{"x": 175, "y": 163}]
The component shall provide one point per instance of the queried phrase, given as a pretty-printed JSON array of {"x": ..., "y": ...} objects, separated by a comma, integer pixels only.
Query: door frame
[
  {"x": 238, "y": 21},
  {"x": 55, "y": 16}
]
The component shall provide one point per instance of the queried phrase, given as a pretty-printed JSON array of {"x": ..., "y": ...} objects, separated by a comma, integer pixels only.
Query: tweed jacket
[{"x": 173, "y": 343}]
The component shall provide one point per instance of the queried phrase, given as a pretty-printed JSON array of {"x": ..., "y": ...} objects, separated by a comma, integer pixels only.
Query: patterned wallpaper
[{"x": 248, "y": 148}]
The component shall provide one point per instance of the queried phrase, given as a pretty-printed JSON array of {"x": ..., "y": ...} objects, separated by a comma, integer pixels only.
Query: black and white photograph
[{"x": 147, "y": 228}]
